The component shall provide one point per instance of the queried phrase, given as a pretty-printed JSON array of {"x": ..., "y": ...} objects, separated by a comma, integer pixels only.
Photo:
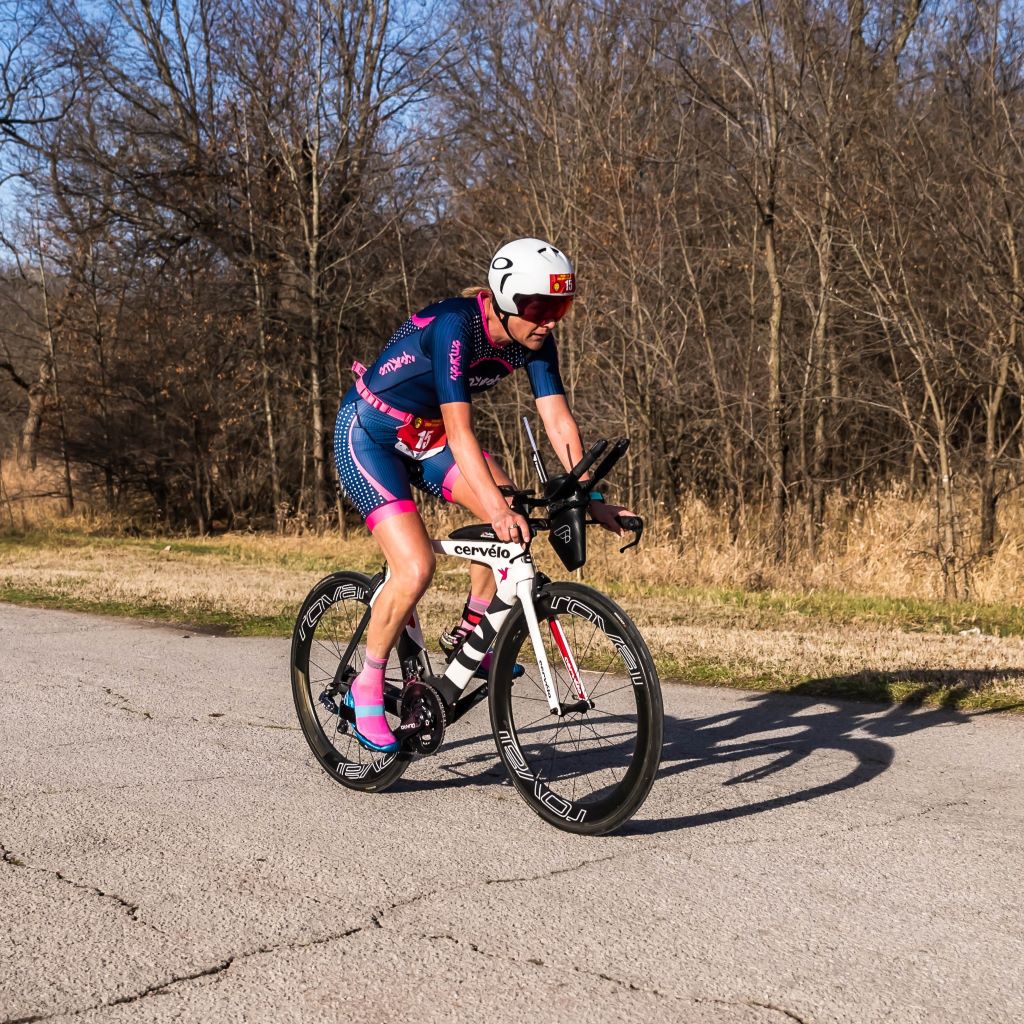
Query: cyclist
[{"x": 408, "y": 420}]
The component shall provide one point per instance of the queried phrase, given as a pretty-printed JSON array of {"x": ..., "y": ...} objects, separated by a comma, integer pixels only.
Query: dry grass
[
  {"x": 257, "y": 583},
  {"x": 879, "y": 546},
  {"x": 27, "y": 499}
]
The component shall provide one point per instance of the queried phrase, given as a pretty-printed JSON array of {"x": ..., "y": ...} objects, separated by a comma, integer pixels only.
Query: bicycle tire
[
  {"x": 325, "y": 624},
  {"x": 550, "y": 759}
]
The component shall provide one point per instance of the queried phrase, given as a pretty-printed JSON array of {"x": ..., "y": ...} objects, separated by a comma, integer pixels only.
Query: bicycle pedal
[{"x": 326, "y": 698}]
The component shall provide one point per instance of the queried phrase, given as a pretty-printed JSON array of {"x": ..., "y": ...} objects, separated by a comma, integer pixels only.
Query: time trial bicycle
[{"x": 575, "y": 700}]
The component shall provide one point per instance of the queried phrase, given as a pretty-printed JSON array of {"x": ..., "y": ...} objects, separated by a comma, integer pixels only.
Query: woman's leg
[
  {"x": 481, "y": 578},
  {"x": 375, "y": 479},
  {"x": 406, "y": 546},
  {"x": 441, "y": 477}
]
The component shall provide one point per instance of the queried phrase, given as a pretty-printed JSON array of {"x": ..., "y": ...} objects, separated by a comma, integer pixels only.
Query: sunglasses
[{"x": 539, "y": 309}]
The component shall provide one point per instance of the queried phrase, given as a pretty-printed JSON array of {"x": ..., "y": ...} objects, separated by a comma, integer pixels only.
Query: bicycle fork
[{"x": 525, "y": 595}]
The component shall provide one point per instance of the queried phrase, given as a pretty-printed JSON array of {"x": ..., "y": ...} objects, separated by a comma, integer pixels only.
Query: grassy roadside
[{"x": 827, "y": 644}]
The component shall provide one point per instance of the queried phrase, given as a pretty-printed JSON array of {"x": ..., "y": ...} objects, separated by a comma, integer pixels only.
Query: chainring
[{"x": 423, "y": 718}]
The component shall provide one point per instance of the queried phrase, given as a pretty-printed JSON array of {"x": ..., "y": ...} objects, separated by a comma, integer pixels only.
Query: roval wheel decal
[
  {"x": 347, "y": 591},
  {"x": 554, "y": 803}
]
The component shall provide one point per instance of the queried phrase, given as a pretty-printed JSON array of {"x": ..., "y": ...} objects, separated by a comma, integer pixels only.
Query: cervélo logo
[{"x": 481, "y": 552}]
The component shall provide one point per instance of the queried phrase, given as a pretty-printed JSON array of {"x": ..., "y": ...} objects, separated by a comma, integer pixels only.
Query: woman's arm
[
  {"x": 458, "y": 425},
  {"x": 561, "y": 428}
]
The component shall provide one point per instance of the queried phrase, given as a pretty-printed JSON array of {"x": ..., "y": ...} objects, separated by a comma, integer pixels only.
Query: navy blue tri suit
[{"x": 389, "y": 431}]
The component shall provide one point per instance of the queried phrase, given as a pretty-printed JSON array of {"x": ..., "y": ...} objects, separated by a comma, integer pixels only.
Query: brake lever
[{"x": 635, "y": 525}]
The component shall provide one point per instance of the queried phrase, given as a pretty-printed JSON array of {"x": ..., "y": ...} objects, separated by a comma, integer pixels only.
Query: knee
[
  {"x": 412, "y": 575},
  {"x": 498, "y": 474}
]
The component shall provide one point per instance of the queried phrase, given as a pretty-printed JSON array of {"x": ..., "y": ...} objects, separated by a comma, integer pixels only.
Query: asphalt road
[{"x": 172, "y": 852}]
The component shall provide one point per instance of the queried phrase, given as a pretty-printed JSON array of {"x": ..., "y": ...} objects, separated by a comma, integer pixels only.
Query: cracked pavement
[{"x": 169, "y": 850}]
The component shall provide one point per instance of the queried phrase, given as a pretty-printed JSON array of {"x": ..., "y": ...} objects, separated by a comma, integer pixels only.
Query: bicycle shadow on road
[
  {"x": 812, "y": 724},
  {"x": 768, "y": 735}
]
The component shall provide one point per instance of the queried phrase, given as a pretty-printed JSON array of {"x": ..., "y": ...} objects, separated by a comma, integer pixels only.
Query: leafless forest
[{"x": 797, "y": 228}]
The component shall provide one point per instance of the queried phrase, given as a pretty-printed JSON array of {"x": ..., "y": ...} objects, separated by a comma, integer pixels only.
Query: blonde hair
[{"x": 473, "y": 291}]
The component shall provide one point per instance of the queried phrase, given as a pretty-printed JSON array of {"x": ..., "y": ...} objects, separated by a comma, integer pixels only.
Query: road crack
[
  {"x": 206, "y": 972},
  {"x": 9, "y": 858},
  {"x": 537, "y": 962},
  {"x": 132, "y": 908},
  {"x": 553, "y": 872},
  {"x": 765, "y": 1006},
  {"x": 922, "y": 812},
  {"x": 214, "y": 969},
  {"x": 629, "y": 986},
  {"x": 123, "y": 703},
  {"x": 756, "y": 1004}
]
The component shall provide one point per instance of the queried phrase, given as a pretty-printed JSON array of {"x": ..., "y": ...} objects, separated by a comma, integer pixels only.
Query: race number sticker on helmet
[{"x": 563, "y": 284}]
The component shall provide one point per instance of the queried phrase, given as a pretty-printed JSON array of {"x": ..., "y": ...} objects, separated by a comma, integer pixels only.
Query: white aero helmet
[{"x": 532, "y": 279}]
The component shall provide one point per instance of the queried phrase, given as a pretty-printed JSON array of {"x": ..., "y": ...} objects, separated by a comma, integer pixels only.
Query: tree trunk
[
  {"x": 38, "y": 396},
  {"x": 268, "y": 406},
  {"x": 820, "y": 360},
  {"x": 51, "y": 349},
  {"x": 954, "y": 576},
  {"x": 315, "y": 381},
  {"x": 776, "y": 414},
  {"x": 989, "y": 491}
]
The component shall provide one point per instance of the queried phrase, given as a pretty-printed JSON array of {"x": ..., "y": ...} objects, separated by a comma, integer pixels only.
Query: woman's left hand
[{"x": 605, "y": 514}]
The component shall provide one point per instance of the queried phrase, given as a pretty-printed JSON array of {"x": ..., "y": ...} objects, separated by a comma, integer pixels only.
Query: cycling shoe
[
  {"x": 484, "y": 669},
  {"x": 371, "y": 711}
]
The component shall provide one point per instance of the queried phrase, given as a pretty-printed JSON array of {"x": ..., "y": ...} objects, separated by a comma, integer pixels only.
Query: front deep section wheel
[
  {"x": 330, "y": 618},
  {"x": 590, "y": 769}
]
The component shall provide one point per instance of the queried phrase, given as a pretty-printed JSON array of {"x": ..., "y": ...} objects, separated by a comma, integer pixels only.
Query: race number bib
[{"x": 421, "y": 439}]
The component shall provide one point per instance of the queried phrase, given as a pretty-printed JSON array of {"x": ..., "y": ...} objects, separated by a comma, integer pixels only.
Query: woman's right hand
[{"x": 509, "y": 526}]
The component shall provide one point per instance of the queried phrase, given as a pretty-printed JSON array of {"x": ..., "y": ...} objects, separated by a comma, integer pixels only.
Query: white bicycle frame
[{"x": 514, "y": 573}]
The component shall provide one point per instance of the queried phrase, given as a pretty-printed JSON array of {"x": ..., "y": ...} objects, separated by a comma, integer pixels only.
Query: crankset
[{"x": 423, "y": 718}]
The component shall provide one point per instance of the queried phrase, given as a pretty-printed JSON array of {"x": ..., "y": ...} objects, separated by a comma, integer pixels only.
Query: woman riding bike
[{"x": 408, "y": 420}]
